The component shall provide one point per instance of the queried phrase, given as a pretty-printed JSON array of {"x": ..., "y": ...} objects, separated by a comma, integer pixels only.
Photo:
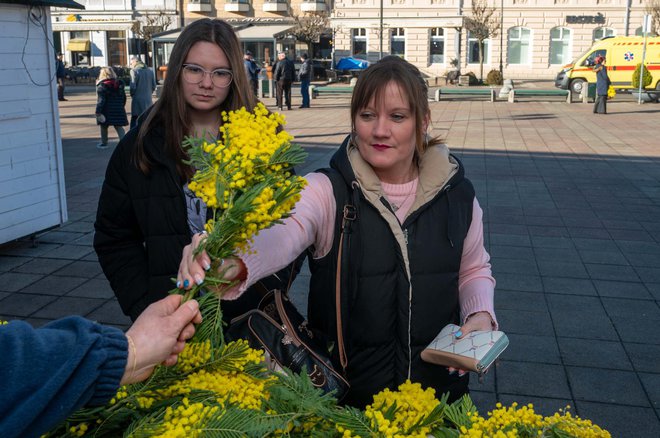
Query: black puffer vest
[{"x": 387, "y": 321}]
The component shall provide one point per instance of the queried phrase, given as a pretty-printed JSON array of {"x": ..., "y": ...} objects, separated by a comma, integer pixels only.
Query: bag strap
[{"x": 341, "y": 277}]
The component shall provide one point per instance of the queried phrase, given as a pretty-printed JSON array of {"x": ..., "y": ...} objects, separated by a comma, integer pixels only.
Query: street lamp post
[
  {"x": 501, "y": 36},
  {"x": 380, "y": 53}
]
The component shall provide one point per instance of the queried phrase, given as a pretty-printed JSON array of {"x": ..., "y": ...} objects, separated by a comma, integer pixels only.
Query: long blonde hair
[{"x": 106, "y": 73}]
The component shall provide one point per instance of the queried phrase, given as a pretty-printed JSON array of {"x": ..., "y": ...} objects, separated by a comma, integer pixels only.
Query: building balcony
[
  {"x": 276, "y": 5},
  {"x": 199, "y": 6},
  {"x": 312, "y": 6},
  {"x": 237, "y": 6}
]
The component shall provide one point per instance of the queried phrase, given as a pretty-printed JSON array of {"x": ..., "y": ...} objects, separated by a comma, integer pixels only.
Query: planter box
[{"x": 464, "y": 80}]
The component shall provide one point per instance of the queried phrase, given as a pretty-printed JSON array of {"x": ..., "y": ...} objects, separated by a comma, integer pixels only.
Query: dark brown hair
[
  {"x": 371, "y": 86},
  {"x": 171, "y": 112}
]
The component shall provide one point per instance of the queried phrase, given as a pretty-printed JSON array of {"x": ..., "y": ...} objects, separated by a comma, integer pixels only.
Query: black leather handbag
[{"x": 280, "y": 330}]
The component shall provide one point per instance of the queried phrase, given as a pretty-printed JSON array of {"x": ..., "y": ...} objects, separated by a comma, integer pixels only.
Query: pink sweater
[{"x": 312, "y": 224}]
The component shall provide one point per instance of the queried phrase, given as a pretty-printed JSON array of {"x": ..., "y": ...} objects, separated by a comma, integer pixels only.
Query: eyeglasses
[{"x": 194, "y": 74}]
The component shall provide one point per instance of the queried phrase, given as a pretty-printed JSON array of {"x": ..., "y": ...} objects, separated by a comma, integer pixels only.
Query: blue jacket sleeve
[{"x": 50, "y": 372}]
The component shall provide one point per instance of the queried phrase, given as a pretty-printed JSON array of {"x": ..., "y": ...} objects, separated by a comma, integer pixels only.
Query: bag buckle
[{"x": 350, "y": 212}]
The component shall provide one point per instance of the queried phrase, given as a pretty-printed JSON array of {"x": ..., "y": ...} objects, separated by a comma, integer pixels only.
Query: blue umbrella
[{"x": 351, "y": 64}]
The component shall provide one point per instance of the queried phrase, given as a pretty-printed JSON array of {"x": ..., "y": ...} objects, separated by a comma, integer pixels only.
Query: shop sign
[{"x": 586, "y": 19}]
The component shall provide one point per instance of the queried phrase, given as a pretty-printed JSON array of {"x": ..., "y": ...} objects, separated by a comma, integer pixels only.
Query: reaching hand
[
  {"x": 192, "y": 270},
  {"x": 159, "y": 335}
]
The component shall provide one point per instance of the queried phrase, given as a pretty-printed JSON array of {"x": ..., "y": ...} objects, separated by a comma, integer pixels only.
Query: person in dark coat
[
  {"x": 110, "y": 105},
  {"x": 146, "y": 212},
  {"x": 305, "y": 77},
  {"x": 285, "y": 73},
  {"x": 60, "y": 74},
  {"x": 143, "y": 84},
  {"x": 602, "y": 85},
  {"x": 252, "y": 71},
  {"x": 413, "y": 259}
]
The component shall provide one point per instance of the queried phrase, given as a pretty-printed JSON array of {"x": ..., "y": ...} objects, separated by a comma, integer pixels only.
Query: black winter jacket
[
  {"x": 142, "y": 226},
  {"x": 401, "y": 287},
  {"x": 285, "y": 71},
  {"x": 111, "y": 101}
]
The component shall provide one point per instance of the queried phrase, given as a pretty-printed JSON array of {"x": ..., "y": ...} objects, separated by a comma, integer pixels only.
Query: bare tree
[
  {"x": 653, "y": 8},
  {"x": 482, "y": 25},
  {"x": 310, "y": 26},
  {"x": 151, "y": 24}
]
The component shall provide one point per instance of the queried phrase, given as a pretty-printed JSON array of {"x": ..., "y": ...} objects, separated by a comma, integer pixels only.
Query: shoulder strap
[{"x": 347, "y": 206}]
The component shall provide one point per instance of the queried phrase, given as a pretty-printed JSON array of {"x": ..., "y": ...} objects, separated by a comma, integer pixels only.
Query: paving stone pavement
[{"x": 572, "y": 222}]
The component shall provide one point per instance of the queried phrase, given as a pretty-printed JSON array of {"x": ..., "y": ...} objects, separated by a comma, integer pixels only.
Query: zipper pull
[
  {"x": 286, "y": 339},
  {"x": 405, "y": 235}
]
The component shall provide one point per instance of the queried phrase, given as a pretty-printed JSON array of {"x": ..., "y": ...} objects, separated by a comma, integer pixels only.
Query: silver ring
[{"x": 222, "y": 262}]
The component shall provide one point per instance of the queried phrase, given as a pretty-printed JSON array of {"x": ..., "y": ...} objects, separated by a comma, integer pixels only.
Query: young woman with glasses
[{"x": 146, "y": 214}]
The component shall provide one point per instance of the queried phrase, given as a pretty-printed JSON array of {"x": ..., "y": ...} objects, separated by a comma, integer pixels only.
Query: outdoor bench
[
  {"x": 466, "y": 92},
  {"x": 315, "y": 90},
  {"x": 534, "y": 93}
]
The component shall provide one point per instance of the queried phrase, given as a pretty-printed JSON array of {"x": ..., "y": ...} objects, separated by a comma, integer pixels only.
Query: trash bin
[
  {"x": 591, "y": 91},
  {"x": 265, "y": 87}
]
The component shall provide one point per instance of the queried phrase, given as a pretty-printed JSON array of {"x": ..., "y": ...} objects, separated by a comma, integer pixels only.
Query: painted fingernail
[
  {"x": 199, "y": 280},
  {"x": 461, "y": 373},
  {"x": 186, "y": 283},
  {"x": 178, "y": 284},
  {"x": 458, "y": 334},
  {"x": 207, "y": 266}
]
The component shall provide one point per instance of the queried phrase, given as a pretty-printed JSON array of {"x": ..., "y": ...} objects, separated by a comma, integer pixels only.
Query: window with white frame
[
  {"x": 437, "y": 49},
  {"x": 359, "y": 37},
  {"x": 398, "y": 42},
  {"x": 560, "y": 45},
  {"x": 602, "y": 32},
  {"x": 520, "y": 39},
  {"x": 473, "y": 50}
]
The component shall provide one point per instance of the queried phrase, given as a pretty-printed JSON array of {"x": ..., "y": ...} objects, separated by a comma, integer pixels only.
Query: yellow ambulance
[{"x": 622, "y": 54}]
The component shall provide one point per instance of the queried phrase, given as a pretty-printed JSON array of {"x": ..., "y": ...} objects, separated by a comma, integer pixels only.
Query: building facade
[
  {"x": 264, "y": 26},
  {"x": 537, "y": 37},
  {"x": 107, "y": 32}
]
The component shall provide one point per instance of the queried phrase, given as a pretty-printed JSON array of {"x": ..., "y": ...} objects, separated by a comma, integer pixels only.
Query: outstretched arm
[{"x": 50, "y": 372}]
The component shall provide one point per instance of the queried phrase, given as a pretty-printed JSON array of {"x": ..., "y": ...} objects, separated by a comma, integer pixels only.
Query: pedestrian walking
[
  {"x": 60, "y": 74},
  {"x": 602, "y": 85},
  {"x": 305, "y": 78},
  {"x": 284, "y": 75},
  {"x": 110, "y": 110},
  {"x": 143, "y": 85},
  {"x": 252, "y": 71}
]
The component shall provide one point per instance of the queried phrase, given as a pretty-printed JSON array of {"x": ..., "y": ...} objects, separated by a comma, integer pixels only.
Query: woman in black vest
[
  {"x": 146, "y": 213},
  {"x": 414, "y": 260}
]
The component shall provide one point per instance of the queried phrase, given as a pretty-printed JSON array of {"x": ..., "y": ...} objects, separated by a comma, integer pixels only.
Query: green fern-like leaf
[
  {"x": 295, "y": 393},
  {"x": 239, "y": 423},
  {"x": 458, "y": 413},
  {"x": 211, "y": 326},
  {"x": 354, "y": 420}
]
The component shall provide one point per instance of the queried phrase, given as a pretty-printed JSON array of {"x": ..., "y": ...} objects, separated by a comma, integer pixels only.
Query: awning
[
  {"x": 56, "y": 3},
  {"x": 263, "y": 31},
  {"x": 78, "y": 46},
  {"x": 249, "y": 32}
]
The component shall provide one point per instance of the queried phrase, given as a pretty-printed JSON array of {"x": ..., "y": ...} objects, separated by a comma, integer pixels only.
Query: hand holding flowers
[{"x": 246, "y": 180}]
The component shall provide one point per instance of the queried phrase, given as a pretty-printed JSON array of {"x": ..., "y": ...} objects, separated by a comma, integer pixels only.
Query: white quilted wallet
[{"x": 474, "y": 352}]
